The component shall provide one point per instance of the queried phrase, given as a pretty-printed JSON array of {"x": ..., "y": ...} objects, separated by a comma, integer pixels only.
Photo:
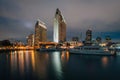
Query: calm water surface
[{"x": 34, "y": 65}]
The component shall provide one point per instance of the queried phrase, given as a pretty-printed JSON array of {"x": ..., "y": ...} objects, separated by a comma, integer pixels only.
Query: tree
[{"x": 6, "y": 43}]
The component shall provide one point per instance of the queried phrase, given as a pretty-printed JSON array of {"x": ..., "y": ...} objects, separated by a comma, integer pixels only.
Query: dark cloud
[{"x": 19, "y": 16}]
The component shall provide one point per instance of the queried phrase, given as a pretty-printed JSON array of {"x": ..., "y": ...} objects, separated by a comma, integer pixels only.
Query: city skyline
[{"x": 17, "y": 18}]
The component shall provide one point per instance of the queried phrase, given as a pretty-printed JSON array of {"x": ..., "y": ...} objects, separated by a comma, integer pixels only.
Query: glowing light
[
  {"x": 104, "y": 61},
  {"x": 21, "y": 61},
  {"x": 33, "y": 59},
  {"x": 57, "y": 63},
  {"x": 67, "y": 55},
  {"x": 56, "y": 33}
]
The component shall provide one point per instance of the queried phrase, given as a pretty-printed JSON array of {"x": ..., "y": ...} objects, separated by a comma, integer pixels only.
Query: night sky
[{"x": 18, "y": 17}]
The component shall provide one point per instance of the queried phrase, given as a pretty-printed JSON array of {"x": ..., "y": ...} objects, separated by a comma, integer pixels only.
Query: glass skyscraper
[{"x": 59, "y": 30}]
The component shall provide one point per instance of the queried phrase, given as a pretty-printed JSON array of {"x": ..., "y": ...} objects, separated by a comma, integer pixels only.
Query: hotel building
[
  {"x": 59, "y": 30},
  {"x": 40, "y": 32}
]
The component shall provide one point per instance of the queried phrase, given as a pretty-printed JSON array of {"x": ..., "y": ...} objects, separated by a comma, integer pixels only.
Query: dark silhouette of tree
[{"x": 5, "y": 43}]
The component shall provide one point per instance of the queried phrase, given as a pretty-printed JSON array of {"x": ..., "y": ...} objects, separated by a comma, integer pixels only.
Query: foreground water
[{"x": 33, "y": 65}]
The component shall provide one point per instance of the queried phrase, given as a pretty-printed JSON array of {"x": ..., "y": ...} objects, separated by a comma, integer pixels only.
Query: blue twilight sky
[{"x": 18, "y": 17}]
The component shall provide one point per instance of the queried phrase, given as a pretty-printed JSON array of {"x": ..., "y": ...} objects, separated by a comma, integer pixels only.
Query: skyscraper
[
  {"x": 40, "y": 32},
  {"x": 88, "y": 36},
  {"x": 59, "y": 30}
]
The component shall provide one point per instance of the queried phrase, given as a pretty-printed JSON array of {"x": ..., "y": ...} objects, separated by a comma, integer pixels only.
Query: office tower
[
  {"x": 88, "y": 36},
  {"x": 59, "y": 30},
  {"x": 40, "y": 32},
  {"x": 30, "y": 40}
]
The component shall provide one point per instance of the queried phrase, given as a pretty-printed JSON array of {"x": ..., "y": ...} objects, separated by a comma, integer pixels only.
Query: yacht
[{"x": 92, "y": 50}]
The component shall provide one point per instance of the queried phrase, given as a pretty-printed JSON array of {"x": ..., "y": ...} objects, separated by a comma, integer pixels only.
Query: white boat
[{"x": 92, "y": 50}]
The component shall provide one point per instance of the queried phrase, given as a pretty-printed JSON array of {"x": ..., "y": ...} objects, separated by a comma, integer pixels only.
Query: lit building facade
[
  {"x": 59, "y": 30},
  {"x": 40, "y": 32},
  {"x": 30, "y": 40}
]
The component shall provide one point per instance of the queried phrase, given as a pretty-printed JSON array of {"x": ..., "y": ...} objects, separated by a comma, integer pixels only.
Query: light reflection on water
[
  {"x": 34, "y": 65},
  {"x": 22, "y": 61},
  {"x": 56, "y": 61},
  {"x": 105, "y": 61}
]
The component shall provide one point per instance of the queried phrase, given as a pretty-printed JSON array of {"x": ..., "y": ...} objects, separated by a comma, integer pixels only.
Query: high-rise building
[
  {"x": 88, "y": 36},
  {"x": 40, "y": 32},
  {"x": 59, "y": 30},
  {"x": 30, "y": 40}
]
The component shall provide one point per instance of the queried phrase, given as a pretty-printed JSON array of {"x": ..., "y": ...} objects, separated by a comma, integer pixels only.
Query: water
[{"x": 33, "y": 65}]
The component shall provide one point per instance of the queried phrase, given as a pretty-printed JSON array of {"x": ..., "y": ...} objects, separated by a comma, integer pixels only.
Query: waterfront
[{"x": 34, "y": 65}]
